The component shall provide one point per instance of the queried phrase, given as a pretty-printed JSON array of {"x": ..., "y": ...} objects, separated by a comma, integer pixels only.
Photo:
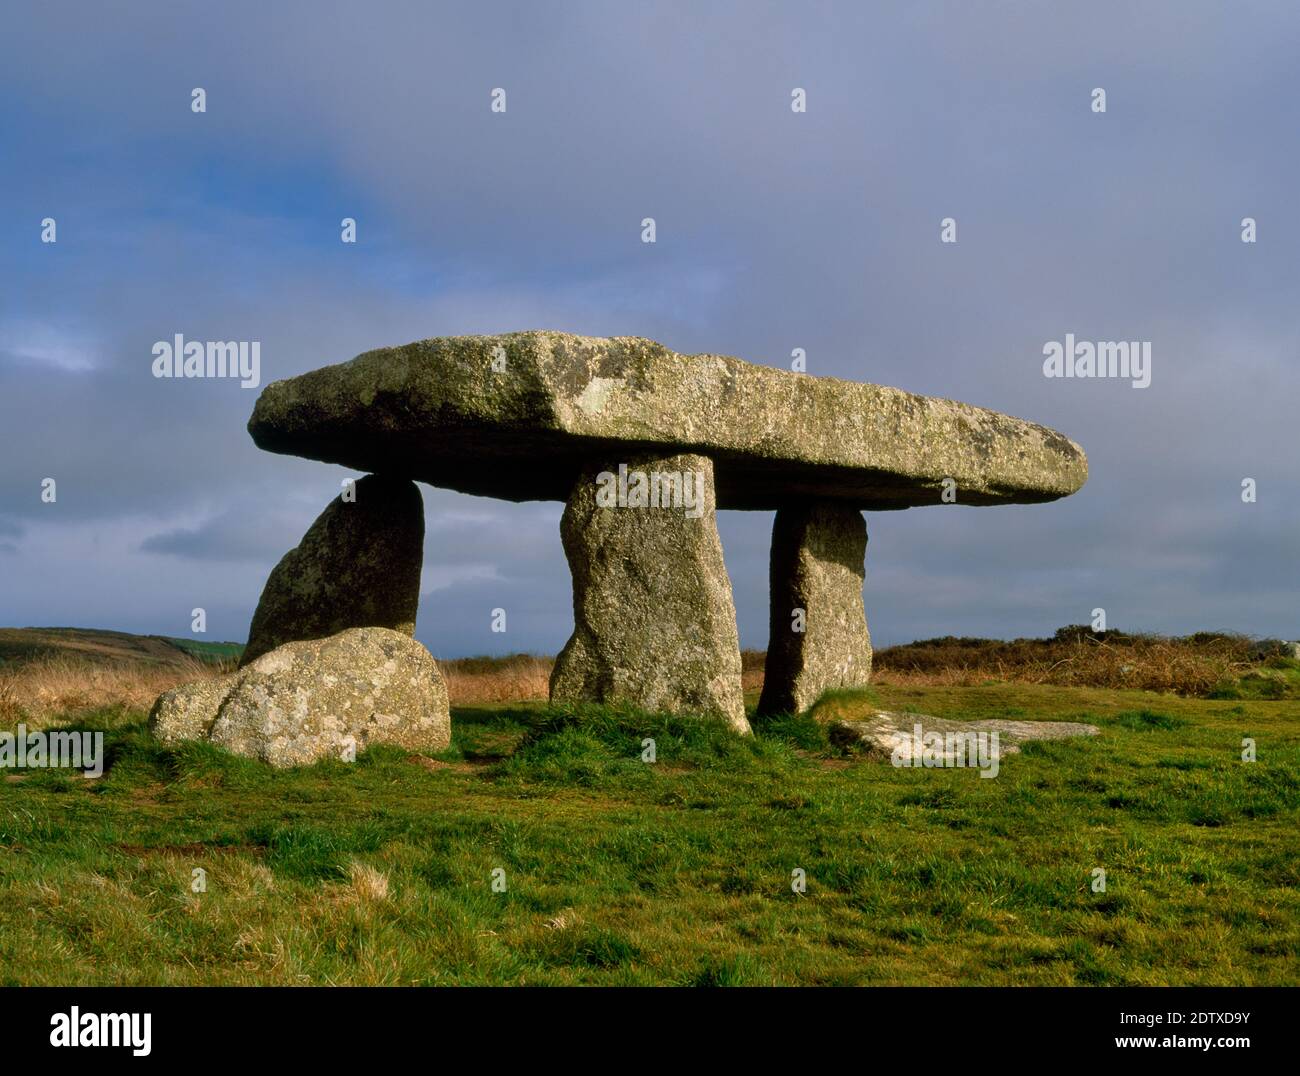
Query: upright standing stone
[
  {"x": 654, "y": 622},
  {"x": 817, "y": 568},
  {"x": 358, "y": 566}
]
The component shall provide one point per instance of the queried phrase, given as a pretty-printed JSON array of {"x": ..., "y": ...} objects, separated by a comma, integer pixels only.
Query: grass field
[{"x": 679, "y": 872}]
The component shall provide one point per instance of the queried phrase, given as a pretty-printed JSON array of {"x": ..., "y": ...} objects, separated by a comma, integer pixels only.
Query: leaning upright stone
[
  {"x": 654, "y": 622},
  {"x": 818, "y": 636},
  {"x": 358, "y": 566}
]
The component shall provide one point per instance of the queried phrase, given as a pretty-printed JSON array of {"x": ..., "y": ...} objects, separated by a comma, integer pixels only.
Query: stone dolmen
[{"x": 643, "y": 445}]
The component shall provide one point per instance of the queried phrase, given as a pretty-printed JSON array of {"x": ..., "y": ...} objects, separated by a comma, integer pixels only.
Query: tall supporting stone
[
  {"x": 654, "y": 621},
  {"x": 358, "y": 566},
  {"x": 817, "y": 569}
]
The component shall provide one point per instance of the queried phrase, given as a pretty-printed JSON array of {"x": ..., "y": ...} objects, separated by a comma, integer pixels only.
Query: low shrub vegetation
[{"x": 1204, "y": 664}]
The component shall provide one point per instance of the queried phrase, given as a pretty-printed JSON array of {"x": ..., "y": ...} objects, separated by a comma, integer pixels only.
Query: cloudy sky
[{"x": 776, "y": 230}]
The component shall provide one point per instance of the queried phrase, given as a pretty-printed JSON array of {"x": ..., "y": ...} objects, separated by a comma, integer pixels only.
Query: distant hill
[{"x": 18, "y": 645}]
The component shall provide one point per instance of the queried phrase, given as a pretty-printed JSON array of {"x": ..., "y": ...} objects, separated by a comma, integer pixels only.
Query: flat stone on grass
[{"x": 881, "y": 734}]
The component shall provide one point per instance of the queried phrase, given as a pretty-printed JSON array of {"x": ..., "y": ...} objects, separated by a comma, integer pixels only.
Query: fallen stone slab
[
  {"x": 654, "y": 624},
  {"x": 314, "y": 699},
  {"x": 889, "y": 735},
  {"x": 518, "y": 416},
  {"x": 358, "y": 566}
]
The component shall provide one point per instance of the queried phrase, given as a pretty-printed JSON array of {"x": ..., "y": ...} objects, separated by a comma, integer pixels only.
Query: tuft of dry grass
[
  {"x": 54, "y": 687},
  {"x": 567, "y": 919},
  {"x": 368, "y": 885}
]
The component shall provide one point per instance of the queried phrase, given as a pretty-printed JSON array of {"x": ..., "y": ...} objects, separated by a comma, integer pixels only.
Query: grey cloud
[{"x": 775, "y": 231}]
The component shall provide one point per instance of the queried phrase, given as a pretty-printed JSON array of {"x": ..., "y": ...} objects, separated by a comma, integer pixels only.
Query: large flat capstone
[{"x": 517, "y": 416}]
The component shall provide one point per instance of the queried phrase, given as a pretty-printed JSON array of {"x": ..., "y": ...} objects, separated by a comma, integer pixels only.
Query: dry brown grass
[
  {"x": 751, "y": 670},
  {"x": 53, "y": 687},
  {"x": 517, "y": 678},
  {"x": 368, "y": 885},
  {"x": 50, "y": 687},
  {"x": 527, "y": 677}
]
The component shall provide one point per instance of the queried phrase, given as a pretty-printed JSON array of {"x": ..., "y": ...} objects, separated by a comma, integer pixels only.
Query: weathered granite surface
[
  {"x": 816, "y": 569},
  {"x": 358, "y": 566},
  {"x": 187, "y": 712},
  {"x": 654, "y": 623},
  {"x": 314, "y": 699},
  {"x": 885, "y": 732},
  {"x": 517, "y": 416}
]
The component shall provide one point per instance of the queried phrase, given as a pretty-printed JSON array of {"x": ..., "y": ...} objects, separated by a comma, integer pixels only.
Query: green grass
[
  {"x": 1276, "y": 678},
  {"x": 206, "y": 651},
  {"x": 621, "y": 872}
]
